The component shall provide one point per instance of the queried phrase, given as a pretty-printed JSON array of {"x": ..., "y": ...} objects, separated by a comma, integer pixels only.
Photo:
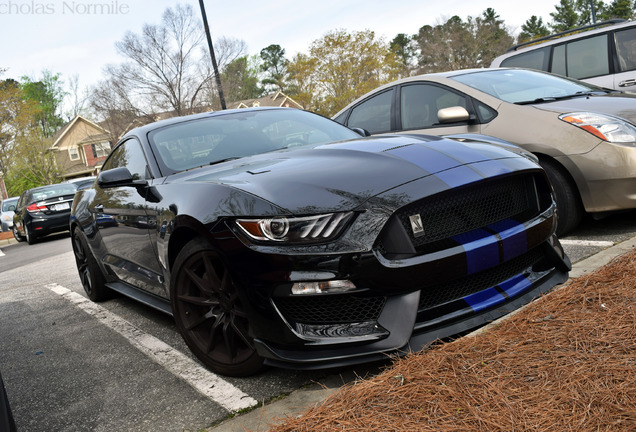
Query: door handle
[{"x": 627, "y": 83}]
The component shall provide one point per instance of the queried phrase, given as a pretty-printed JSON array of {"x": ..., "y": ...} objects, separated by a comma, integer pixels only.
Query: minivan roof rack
[{"x": 566, "y": 32}]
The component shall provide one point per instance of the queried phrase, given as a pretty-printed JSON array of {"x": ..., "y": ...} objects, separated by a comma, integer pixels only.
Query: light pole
[{"x": 214, "y": 65}]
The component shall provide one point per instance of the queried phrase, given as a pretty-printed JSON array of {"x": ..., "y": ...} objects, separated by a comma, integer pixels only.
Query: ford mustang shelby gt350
[{"x": 280, "y": 236}]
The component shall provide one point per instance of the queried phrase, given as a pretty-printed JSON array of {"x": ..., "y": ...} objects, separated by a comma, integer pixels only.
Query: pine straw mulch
[{"x": 565, "y": 363}]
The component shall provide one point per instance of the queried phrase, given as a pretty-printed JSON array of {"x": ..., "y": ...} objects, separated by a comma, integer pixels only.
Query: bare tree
[
  {"x": 162, "y": 68},
  {"x": 77, "y": 98}
]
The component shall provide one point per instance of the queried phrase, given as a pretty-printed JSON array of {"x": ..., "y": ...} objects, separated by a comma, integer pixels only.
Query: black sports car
[{"x": 281, "y": 236}]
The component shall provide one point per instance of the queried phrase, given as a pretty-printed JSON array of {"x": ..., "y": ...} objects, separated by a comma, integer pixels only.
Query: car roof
[
  {"x": 557, "y": 39},
  {"x": 435, "y": 77}
]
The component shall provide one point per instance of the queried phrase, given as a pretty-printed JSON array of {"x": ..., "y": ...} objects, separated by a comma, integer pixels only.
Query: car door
[
  {"x": 125, "y": 229},
  {"x": 419, "y": 104},
  {"x": 625, "y": 43}
]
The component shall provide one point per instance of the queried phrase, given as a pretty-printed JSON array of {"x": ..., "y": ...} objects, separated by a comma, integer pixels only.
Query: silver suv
[{"x": 603, "y": 54}]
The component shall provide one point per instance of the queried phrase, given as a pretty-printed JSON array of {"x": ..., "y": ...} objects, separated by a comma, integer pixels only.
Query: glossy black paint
[{"x": 137, "y": 227}]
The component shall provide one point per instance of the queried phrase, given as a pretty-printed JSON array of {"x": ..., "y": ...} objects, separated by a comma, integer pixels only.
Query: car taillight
[{"x": 34, "y": 208}]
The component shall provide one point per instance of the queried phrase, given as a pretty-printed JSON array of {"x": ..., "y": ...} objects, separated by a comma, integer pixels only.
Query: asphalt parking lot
[{"x": 71, "y": 365}]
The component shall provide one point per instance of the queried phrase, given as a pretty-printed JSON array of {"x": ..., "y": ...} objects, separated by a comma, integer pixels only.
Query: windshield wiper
[{"x": 556, "y": 98}]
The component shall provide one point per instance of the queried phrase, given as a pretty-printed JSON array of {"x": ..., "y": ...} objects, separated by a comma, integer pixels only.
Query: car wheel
[
  {"x": 209, "y": 313},
  {"x": 89, "y": 272},
  {"x": 16, "y": 234},
  {"x": 30, "y": 238},
  {"x": 569, "y": 207}
]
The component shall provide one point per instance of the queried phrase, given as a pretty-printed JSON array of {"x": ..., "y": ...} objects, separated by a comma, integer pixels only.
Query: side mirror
[
  {"x": 453, "y": 114},
  {"x": 115, "y": 177},
  {"x": 361, "y": 132}
]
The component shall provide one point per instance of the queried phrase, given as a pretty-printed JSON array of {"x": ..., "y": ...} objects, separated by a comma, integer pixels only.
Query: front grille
[
  {"x": 330, "y": 309},
  {"x": 457, "y": 289},
  {"x": 461, "y": 210}
]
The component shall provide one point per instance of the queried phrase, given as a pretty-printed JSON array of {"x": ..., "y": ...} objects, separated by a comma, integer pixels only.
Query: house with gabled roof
[
  {"x": 278, "y": 99},
  {"x": 80, "y": 148}
]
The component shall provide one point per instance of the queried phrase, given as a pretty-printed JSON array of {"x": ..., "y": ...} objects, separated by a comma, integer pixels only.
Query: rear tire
[
  {"x": 30, "y": 238},
  {"x": 90, "y": 274},
  {"x": 16, "y": 234},
  {"x": 569, "y": 208},
  {"x": 209, "y": 313}
]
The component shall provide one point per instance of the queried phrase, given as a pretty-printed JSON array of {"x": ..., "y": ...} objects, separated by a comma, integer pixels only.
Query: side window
[
  {"x": 588, "y": 58},
  {"x": 484, "y": 112},
  {"x": 558, "y": 61},
  {"x": 626, "y": 49},
  {"x": 535, "y": 59},
  {"x": 130, "y": 155},
  {"x": 374, "y": 114},
  {"x": 419, "y": 104}
]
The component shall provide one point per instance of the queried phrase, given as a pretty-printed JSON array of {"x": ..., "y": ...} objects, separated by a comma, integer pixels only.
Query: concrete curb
[
  {"x": 6, "y": 242},
  {"x": 300, "y": 400}
]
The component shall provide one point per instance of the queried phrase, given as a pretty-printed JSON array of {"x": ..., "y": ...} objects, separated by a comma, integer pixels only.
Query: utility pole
[
  {"x": 214, "y": 65},
  {"x": 593, "y": 12}
]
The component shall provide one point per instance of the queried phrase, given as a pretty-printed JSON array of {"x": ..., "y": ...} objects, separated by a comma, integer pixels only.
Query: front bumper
[{"x": 410, "y": 321}]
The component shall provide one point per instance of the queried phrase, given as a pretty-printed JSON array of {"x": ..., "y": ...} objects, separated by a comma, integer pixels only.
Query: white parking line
[
  {"x": 209, "y": 384},
  {"x": 598, "y": 243}
]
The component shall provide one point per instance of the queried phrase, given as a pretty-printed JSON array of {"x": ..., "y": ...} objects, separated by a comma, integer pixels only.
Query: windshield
[
  {"x": 45, "y": 192},
  {"x": 524, "y": 86},
  {"x": 194, "y": 143},
  {"x": 7, "y": 203}
]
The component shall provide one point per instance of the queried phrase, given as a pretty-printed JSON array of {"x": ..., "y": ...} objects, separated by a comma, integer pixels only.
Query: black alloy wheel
[
  {"x": 89, "y": 272},
  {"x": 209, "y": 313}
]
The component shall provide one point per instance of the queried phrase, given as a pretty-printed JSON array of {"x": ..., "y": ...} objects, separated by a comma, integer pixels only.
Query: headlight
[
  {"x": 296, "y": 230},
  {"x": 608, "y": 128}
]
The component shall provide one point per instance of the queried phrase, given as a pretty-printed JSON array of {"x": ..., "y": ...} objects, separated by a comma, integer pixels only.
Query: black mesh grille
[
  {"x": 462, "y": 210},
  {"x": 332, "y": 309},
  {"x": 444, "y": 293}
]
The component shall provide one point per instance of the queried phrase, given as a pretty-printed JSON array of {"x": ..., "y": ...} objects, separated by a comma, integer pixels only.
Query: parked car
[
  {"x": 278, "y": 235},
  {"x": 603, "y": 54},
  {"x": 7, "y": 208},
  {"x": 583, "y": 135},
  {"x": 43, "y": 210}
]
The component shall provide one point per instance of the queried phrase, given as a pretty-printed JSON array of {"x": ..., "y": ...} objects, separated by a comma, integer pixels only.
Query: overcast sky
[{"x": 71, "y": 37}]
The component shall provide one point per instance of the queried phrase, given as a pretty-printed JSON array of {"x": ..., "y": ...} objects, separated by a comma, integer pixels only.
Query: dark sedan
[
  {"x": 278, "y": 235},
  {"x": 41, "y": 211}
]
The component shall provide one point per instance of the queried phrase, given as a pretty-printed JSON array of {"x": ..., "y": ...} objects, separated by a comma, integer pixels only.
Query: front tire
[
  {"x": 90, "y": 274},
  {"x": 209, "y": 313},
  {"x": 569, "y": 207}
]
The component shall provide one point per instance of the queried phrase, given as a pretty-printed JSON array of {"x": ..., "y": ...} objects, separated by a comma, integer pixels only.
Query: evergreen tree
[
  {"x": 565, "y": 17},
  {"x": 533, "y": 28}
]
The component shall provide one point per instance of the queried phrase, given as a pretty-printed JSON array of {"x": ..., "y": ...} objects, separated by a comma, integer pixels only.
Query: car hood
[
  {"x": 616, "y": 104},
  {"x": 343, "y": 175}
]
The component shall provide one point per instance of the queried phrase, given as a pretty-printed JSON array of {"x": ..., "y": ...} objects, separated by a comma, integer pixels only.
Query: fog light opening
[{"x": 322, "y": 287}]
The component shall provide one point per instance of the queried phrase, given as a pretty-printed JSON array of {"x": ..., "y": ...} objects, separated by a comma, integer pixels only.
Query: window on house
[
  {"x": 101, "y": 149},
  {"x": 73, "y": 153}
]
